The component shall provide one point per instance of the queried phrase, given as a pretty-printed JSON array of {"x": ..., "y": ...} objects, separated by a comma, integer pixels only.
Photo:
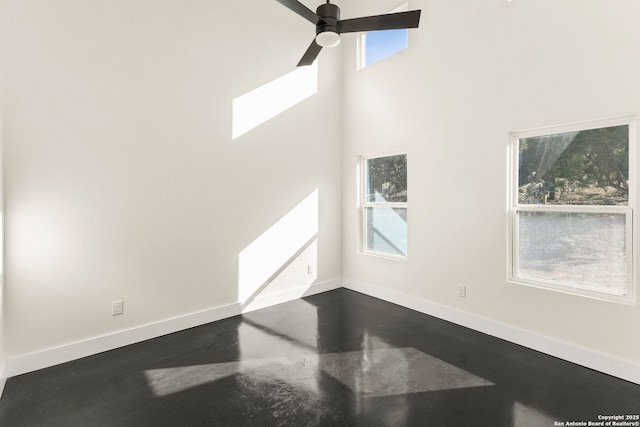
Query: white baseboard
[
  {"x": 616, "y": 367},
  {"x": 3, "y": 377},
  {"x": 290, "y": 295},
  {"x": 65, "y": 353},
  {"x": 620, "y": 368}
]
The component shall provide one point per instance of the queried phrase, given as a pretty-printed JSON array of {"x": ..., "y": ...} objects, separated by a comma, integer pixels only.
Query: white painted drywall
[
  {"x": 122, "y": 180},
  {"x": 476, "y": 70},
  {"x": 3, "y": 357}
]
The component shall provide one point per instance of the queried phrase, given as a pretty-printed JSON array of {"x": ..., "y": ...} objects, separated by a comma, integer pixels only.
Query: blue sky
[{"x": 380, "y": 44}]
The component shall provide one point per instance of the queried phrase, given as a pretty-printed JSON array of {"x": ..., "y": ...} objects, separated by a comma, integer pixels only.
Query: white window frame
[
  {"x": 362, "y": 41},
  {"x": 364, "y": 204},
  {"x": 627, "y": 210}
]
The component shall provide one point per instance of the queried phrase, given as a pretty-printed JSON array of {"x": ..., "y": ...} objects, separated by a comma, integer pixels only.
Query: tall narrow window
[
  {"x": 384, "y": 205},
  {"x": 376, "y": 45},
  {"x": 572, "y": 203}
]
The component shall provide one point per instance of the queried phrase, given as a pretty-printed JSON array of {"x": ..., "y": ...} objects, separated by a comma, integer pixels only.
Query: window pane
[
  {"x": 386, "y": 230},
  {"x": 386, "y": 179},
  {"x": 587, "y": 250},
  {"x": 380, "y": 44},
  {"x": 589, "y": 167}
]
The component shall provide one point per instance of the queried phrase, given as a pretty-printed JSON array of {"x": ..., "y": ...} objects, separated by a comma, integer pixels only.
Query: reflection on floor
[
  {"x": 389, "y": 371},
  {"x": 335, "y": 359}
]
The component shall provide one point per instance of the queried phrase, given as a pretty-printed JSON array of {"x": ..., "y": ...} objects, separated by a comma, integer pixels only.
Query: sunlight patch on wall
[
  {"x": 267, "y": 255},
  {"x": 293, "y": 279},
  {"x": 262, "y": 104},
  {"x": 1, "y": 247},
  {"x": 38, "y": 242}
]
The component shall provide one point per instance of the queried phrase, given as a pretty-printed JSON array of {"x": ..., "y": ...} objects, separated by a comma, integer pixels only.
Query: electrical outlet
[
  {"x": 309, "y": 269},
  {"x": 462, "y": 291},
  {"x": 117, "y": 308}
]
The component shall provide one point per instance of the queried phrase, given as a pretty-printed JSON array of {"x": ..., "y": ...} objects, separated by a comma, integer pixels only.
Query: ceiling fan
[{"x": 329, "y": 26}]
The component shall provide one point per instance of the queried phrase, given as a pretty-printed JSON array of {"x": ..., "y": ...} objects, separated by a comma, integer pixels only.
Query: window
[
  {"x": 384, "y": 205},
  {"x": 571, "y": 209},
  {"x": 376, "y": 45}
]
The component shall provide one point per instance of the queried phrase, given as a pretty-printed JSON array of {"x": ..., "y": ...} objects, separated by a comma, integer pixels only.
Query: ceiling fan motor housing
[
  {"x": 329, "y": 26},
  {"x": 330, "y": 14}
]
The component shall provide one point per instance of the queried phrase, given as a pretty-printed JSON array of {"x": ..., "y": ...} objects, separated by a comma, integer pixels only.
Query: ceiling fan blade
[
  {"x": 311, "y": 54},
  {"x": 301, "y": 10},
  {"x": 390, "y": 21}
]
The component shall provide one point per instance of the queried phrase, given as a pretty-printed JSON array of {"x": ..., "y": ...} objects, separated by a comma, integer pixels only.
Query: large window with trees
[
  {"x": 571, "y": 210},
  {"x": 384, "y": 205}
]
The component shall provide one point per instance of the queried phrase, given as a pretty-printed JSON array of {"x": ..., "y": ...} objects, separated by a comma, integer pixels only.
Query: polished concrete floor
[{"x": 334, "y": 359}]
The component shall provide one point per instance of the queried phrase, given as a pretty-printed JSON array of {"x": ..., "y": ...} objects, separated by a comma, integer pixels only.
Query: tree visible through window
[
  {"x": 572, "y": 210},
  {"x": 385, "y": 205},
  {"x": 589, "y": 167}
]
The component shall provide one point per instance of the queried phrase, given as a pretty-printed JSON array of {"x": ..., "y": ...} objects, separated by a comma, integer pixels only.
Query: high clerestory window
[
  {"x": 572, "y": 199},
  {"x": 376, "y": 45},
  {"x": 384, "y": 205}
]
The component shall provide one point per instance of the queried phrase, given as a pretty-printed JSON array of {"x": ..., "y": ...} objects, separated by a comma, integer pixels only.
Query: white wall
[
  {"x": 3, "y": 357},
  {"x": 475, "y": 71},
  {"x": 122, "y": 180}
]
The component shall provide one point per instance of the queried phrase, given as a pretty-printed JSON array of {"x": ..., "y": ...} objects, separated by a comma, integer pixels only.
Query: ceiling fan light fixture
[
  {"x": 328, "y": 39},
  {"x": 329, "y": 26}
]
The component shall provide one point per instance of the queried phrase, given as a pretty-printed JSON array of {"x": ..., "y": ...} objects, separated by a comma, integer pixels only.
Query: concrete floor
[{"x": 334, "y": 359}]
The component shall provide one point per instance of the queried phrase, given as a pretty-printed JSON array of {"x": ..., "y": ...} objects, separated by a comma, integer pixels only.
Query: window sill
[
  {"x": 573, "y": 290},
  {"x": 401, "y": 258}
]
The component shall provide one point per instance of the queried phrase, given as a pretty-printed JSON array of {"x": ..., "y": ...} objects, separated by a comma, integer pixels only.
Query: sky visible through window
[{"x": 380, "y": 44}]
